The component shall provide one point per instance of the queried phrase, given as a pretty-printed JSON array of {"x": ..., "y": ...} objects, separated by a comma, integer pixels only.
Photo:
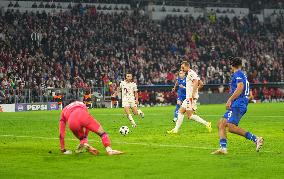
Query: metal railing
[{"x": 46, "y": 95}]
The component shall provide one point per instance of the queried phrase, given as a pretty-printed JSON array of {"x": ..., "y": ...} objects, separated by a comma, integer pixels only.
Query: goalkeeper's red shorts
[{"x": 79, "y": 120}]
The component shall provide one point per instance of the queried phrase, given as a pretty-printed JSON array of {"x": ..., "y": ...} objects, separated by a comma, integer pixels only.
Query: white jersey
[
  {"x": 127, "y": 90},
  {"x": 189, "y": 86}
]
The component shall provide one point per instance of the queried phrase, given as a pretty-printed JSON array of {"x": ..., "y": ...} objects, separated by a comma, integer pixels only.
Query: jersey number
[{"x": 247, "y": 88}]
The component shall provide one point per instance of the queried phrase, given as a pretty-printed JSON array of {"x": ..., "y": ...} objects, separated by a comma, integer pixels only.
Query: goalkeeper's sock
[
  {"x": 250, "y": 136},
  {"x": 105, "y": 139},
  {"x": 223, "y": 143},
  {"x": 199, "y": 119},
  {"x": 176, "y": 110},
  {"x": 179, "y": 122},
  {"x": 84, "y": 140},
  {"x": 130, "y": 118}
]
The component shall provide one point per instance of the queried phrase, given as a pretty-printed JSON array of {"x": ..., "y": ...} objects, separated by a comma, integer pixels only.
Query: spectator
[{"x": 44, "y": 50}]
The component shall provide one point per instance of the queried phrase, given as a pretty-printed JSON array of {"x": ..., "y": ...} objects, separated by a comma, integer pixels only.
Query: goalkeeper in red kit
[{"x": 80, "y": 123}]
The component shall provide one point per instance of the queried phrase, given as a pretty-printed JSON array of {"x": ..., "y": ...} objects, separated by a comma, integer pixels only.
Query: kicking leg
[{"x": 202, "y": 121}]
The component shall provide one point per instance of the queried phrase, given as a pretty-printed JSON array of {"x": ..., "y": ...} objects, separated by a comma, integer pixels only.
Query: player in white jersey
[
  {"x": 129, "y": 93},
  {"x": 189, "y": 105}
]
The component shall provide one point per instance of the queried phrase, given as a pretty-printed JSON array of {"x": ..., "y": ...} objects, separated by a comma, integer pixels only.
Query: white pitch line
[
  {"x": 132, "y": 143},
  {"x": 209, "y": 115}
]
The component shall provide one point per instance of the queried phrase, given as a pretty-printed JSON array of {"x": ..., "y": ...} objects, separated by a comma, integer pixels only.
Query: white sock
[
  {"x": 199, "y": 119},
  {"x": 179, "y": 122},
  {"x": 130, "y": 118},
  {"x": 139, "y": 112},
  {"x": 108, "y": 149}
]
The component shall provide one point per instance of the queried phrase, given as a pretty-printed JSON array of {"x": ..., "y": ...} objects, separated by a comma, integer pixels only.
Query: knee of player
[
  {"x": 231, "y": 127},
  {"x": 222, "y": 123},
  {"x": 100, "y": 131}
]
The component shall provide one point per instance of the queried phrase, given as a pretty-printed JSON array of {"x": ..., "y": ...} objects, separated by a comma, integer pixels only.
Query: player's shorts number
[{"x": 230, "y": 114}]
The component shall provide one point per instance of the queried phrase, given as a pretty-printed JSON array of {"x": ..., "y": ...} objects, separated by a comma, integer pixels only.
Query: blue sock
[
  {"x": 250, "y": 136},
  {"x": 223, "y": 143},
  {"x": 176, "y": 110}
]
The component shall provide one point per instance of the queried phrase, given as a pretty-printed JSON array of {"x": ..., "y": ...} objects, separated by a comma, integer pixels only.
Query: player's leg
[
  {"x": 129, "y": 116},
  {"x": 222, "y": 125},
  {"x": 80, "y": 148},
  {"x": 231, "y": 120},
  {"x": 126, "y": 106},
  {"x": 232, "y": 125},
  {"x": 202, "y": 121},
  {"x": 94, "y": 126},
  {"x": 136, "y": 111},
  {"x": 222, "y": 135},
  {"x": 179, "y": 102},
  {"x": 78, "y": 130},
  {"x": 198, "y": 118},
  {"x": 179, "y": 122}
]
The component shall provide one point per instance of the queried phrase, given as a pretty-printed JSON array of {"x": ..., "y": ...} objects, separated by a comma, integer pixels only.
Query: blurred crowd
[{"x": 84, "y": 49}]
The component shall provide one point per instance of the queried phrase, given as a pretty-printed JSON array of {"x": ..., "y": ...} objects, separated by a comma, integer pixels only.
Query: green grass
[{"x": 149, "y": 151}]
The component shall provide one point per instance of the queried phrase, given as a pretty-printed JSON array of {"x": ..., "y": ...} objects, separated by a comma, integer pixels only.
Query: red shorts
[{"x": 79, "y": 120}]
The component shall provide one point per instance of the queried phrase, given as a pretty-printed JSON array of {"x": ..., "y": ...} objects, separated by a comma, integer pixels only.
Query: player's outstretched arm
[
  {"x": 236, "y": 94},
  {"x": 62, "y": 128},
  {"x": 175, "y": 86}
]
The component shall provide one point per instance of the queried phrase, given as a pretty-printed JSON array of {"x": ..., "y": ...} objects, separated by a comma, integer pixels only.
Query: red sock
[
  {"x": 105, "y": 140},
  {"x": 84, "y": 140}
]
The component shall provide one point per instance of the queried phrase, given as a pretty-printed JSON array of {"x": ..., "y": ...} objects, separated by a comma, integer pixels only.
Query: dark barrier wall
[{"x": 213, "y": 98}]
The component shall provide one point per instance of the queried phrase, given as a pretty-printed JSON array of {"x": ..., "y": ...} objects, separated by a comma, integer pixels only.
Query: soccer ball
[{"x": 124, "y": 130}]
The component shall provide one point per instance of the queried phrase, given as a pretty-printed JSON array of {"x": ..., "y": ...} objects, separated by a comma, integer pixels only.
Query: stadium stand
[{"x": 86, "y": 48}]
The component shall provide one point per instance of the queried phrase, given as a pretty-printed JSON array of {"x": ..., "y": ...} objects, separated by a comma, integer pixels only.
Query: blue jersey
[
  {"x": 242, "y": 100},
  {"x": 181, "y": 90}
]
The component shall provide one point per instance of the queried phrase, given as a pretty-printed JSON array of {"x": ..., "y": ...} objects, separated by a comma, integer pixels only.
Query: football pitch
[{"x": 30, "y": 146}]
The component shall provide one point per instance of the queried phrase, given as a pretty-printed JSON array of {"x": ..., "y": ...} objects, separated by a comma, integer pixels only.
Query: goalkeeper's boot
[
  {"x": 114, "y": 152},
  {"x": 91, "y": 149},
  {"x": 221, "y": 151},
  {"x": 259, "y": 143},
  {"x": 209, "y": 127},
  {"x": 173, "y": 131}
]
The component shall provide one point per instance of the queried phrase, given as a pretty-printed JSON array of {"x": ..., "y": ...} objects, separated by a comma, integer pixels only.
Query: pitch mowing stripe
[{"x": 133, "y": 143}]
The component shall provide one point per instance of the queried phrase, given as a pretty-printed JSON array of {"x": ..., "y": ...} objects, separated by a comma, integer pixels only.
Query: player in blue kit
[
  {"x": 236, "y": 107},
  {"x": 180, "y": 83}
]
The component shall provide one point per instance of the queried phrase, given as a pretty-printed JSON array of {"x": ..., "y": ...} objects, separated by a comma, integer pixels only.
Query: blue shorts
[
  {"x": 181, "y": 98},
  {"x": 234, "y": 115}
]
